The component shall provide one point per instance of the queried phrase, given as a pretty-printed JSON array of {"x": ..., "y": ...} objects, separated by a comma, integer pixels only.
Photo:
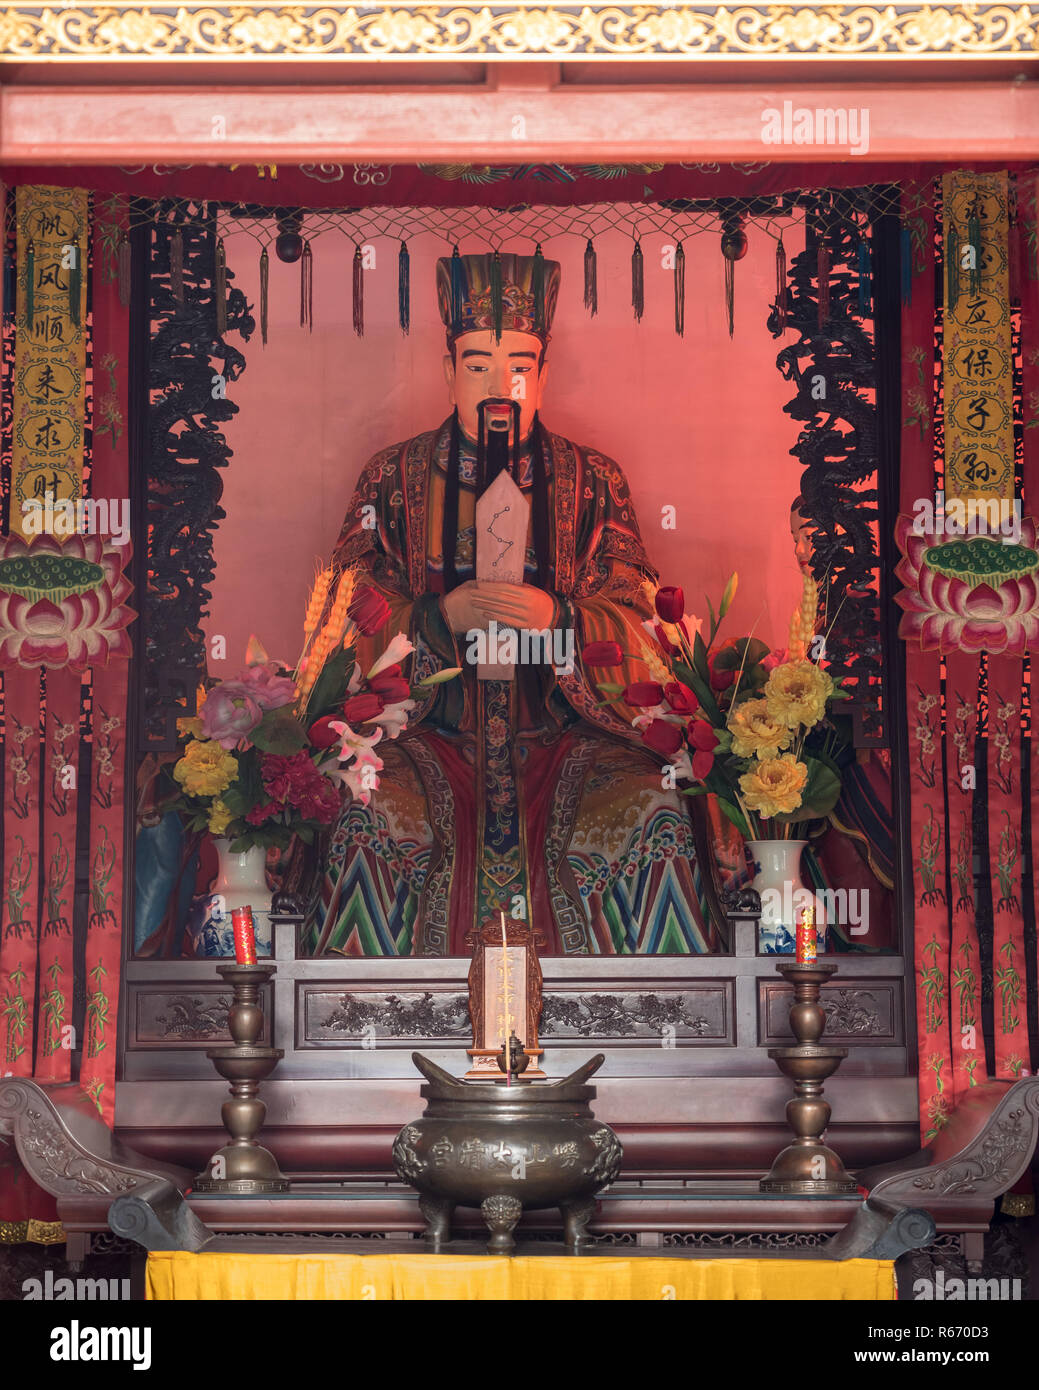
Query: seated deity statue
[{"x": 528, "y": 794}]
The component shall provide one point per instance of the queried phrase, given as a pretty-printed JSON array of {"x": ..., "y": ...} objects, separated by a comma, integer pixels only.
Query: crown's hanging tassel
[
  {"x": 638, "y": 281},
  {"x": 537, "y": 287},
  {"x": 952, "y": 267},
  {"x": 906, "y": 249},
  {"x": 781, "y": 301},
  {"x": 358, "y": 293},
  {"x": 404, "y": 288},
  {"x": 306, "y": 288},
  {"x": 974, "y": 242},
  {"x": 124, "y": 267},
  {"x": 865, "y": 278},
  {"x": 822, "y": 274},
  {"x": 457, "y": 291},
  {"x": 75, "y": 284},
  {"x": 680, "y": 290},
  {"x": 265, "y": 275},
  {"x": 591, "y": 279},
  {"x": 30, "y": 286},
  {"x": 497, "y": 305},
  {"x": 177, "y": 266},
  {"x": 220, "y": 287}
]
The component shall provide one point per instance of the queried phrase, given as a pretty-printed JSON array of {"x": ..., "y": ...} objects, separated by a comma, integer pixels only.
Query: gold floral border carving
[{"x": 129, "y": 30}]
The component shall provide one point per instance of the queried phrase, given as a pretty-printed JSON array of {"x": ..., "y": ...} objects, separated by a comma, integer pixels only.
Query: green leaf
[
  {"x": 279, "y": 731},
  {"x": 820, "y": 794},
  {"x": 700, "y": 658},
  {"x": 705, "y": 695},
  {"x": 610, "y": 688},
  {"x": 744, "y": 651},
  {"x": 714, "y": 620},
  {"x": 330, "y": 687}
]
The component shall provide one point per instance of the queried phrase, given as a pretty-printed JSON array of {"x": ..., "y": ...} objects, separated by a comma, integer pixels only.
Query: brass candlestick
[
  {"x": 244, "y": 1166},
  {"x": 807, "y": 1166}
]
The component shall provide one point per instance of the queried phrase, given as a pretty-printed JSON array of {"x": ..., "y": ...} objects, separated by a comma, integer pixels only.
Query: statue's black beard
[{"x": 493, "y": 450}]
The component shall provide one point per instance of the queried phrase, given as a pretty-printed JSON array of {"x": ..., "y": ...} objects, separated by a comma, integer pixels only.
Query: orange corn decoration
[
  {"x": 802, "y": 621},
  {"x": 316, "y": 604}
]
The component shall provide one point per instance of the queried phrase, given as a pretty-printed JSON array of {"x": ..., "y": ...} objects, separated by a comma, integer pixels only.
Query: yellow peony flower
[
  {"x": 796, "y": 693},
  {"x": 219, "y": 817},
  {"x": 754, "y": 733},
  {"x": 205, "y": 769},
  {"x": 190, "y": 728},
  {"x": 774, "y": 787}
]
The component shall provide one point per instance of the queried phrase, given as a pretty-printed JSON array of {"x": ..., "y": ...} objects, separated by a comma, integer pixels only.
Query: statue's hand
[
  {"x": 460, "y": 608},
  {"x": 514, "y": 605}
]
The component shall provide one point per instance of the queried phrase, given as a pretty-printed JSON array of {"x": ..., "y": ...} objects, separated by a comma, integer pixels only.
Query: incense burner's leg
[
  {"x": 576, "y": 1216},
  {"x": 437, "y": 1211},
  {"x": 501, "y": 1214}
]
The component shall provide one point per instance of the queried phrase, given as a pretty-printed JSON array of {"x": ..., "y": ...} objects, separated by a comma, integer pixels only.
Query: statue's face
[
  {"x": 483, "y": 369},
  {"x": 801, "y": 530}
]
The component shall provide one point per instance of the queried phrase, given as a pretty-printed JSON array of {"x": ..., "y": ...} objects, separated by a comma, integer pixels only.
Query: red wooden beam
[{"x": 949, "y": 120}]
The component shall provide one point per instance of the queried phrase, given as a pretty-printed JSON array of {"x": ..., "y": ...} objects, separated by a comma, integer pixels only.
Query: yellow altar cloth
[{"x": 175, "y": 1274}]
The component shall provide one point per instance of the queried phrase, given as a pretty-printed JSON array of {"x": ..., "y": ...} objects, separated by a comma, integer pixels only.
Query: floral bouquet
[
  {"x": 752, "y": 726},
  {"x": 272, "y": 752}
]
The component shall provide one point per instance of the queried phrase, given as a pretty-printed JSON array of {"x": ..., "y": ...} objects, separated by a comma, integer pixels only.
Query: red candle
[
  {"x": 244, "y": 935},
  {"x": 806, "y": 937}
]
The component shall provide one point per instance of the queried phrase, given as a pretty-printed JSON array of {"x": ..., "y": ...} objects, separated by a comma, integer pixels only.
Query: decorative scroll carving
[
  {"x": 424, "y": 1015},
  {"x": 838, "y": 445},
  {"x": 991, "y": 1164},
  {"x": 853, "y": 1012},
  {"x": 343, "y": 29},
  {"x": 193, "y": 1019},
  {"x": 185, "y": 449},
  {"x": 701, "y": 1013}
]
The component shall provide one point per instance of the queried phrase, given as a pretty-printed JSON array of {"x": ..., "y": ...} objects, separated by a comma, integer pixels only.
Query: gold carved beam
[{"x": 129, "y": 30}]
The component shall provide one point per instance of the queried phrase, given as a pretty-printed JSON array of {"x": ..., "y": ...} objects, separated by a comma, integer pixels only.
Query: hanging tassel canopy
[
  {"x": 638, "y": 282},
  {"x": 265, "y": 275},
  {"x": 822, "y": 275},
  {"x": 457, "y": 292},
  {"x": 177, "y": 266},
  {"x": 75, "y": 284},
  {"x": 974, "y": 241},
  {"x": 952, "y": 266},
  {"x": 591, "y": 278},
  {"x": 865, "y": 278},
  {"x": 30, "y": 286},
  {"x": 906, "y": 264},
  {"x": 680, "y": 290},
  {"x": 358, "y": 293},
  {"x": 734, "y": 248},
  {"x": 306, "y": 288},
  {"x": 124, "y": 265},
  {"x": 497, "y": 306},
  {"x": 220, "y": 288},
  {"x": 404, "y": 288},
  {"x": 781, "y": 300},
  {"x": 537, "y": 287}
]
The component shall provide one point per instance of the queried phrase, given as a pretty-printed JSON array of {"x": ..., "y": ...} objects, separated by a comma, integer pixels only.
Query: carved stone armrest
[{"x": 68, "y": 1150}]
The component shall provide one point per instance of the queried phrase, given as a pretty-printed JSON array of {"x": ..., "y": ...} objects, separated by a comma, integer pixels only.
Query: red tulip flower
[
  {"x": 602, "y": 654},
  {"x": 643, "y": 695},
  {"x": 702, "y": 763},
  {"x": 680, "y": 698},
  {"x": 391, "y": 689},
  {"x": 720, "y": 680},
  {"x": 670, "y": 604},
  {"x": 662, "y": 737},
  {"x": 321, "y": 734},
  {"x": 363, "y": 708},
  {"x": 666, "y": 645},
  {"x": 369, "y": 610},
  {"x": 702, "y": 735}
]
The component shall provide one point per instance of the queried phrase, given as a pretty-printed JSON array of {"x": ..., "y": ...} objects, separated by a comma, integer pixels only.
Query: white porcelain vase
[
  {"x": 241, "y": 882},
  {"x": 783, "y": 892}
]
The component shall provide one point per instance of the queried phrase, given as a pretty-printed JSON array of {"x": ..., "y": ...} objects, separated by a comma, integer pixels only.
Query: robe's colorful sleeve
[
  {"x": 610, "y": 600},
  {"x": 374, "y": 541}
]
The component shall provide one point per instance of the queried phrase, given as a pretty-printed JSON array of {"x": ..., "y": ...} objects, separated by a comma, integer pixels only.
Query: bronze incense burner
[{"x": 504, "y": 1149}]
